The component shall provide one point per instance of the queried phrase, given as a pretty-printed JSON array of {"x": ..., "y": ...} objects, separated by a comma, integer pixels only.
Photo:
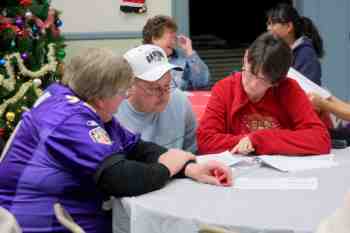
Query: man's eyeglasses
[
  {"x": 262, "y": 79},
  {"x": 158, "y": 91},
  {"x": 123, "y": 93}
]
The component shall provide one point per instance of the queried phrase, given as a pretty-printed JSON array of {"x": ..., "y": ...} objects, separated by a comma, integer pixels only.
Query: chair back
[
  {"x": 66, "y": 219},
  {"x": 213, "y": 229},
  {"x": 8, "y": 223},
  {"x": 339, "y": 221}
]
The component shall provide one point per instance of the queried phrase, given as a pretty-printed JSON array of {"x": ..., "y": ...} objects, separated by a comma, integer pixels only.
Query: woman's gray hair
[{"x": 97, "y": 73}]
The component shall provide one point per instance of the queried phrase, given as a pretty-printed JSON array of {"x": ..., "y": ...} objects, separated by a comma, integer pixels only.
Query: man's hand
[
  {"x": 186, "y": 44},
  {"x": 175, "y": 159},
  {"x": 244, "y": 146},
  {"x": 211, "y": 172}
]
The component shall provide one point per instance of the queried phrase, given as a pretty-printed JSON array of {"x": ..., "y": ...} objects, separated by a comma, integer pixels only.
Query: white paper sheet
[
  {"x": 280, "y": 162},
  {"x": 225, "y": 157},
  {"x": 306, "y": 84},
  {"x": 298, "y": 163},
  {"x": 289, "y": 183}
]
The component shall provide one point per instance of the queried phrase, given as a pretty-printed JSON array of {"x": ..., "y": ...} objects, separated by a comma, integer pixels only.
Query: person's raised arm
[
  {"x": 332, "y": 104},
  {"x": 196, "y": 71}
]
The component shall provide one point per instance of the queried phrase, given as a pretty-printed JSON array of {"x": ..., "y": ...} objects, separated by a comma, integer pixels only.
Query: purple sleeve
[{"x": 81, "y": 144}]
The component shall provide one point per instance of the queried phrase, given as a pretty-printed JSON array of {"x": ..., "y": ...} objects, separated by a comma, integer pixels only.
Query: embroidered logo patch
[
  {"x": 99, "y": 135},
  {"x": 91, "y": 123},
  {"x": 72, "y": 99}
]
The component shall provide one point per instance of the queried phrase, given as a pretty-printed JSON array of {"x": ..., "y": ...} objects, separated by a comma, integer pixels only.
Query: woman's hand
[
  {"x": 186, "y": 44},
  {"x": 175, "y": 159},
  {"x": 211, "y": 172}
]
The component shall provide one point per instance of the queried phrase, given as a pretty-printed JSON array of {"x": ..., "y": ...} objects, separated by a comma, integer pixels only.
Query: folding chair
[
  {"x": 338, "y": 221},
  {"x": 213, "y": 229},
  {"x": 8, "y": 223},
  {"x": 66, "y": 220}
]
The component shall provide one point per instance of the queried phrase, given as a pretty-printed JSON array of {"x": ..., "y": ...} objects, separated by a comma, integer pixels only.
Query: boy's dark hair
[
  {"x": 271, "y": 56},
  {"x": 303, "y": 26},
  {"x": 155, "y": 27}
]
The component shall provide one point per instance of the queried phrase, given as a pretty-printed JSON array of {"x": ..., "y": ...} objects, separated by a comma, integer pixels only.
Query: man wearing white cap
[{"x": 155, "y": 108}]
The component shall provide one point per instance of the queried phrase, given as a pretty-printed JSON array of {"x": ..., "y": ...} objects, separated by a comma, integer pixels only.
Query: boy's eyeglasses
[{"x": 262, "y": 79}]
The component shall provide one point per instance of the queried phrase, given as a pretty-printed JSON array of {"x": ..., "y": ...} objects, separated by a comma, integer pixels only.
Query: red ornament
[
  {"x": 25, "y": 2},
  {"x": 2, "y": 132},
  {"x": 19, "y": 32}
]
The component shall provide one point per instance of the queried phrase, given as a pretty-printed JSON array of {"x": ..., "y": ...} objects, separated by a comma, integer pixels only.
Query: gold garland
[
  {"x": 24, "y": 88},
  {"x": 9, "y": 83}
]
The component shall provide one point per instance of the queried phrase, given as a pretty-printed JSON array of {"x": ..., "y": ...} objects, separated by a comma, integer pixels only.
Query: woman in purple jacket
[
  {"x": 302, "y": 36},
  {"x": 69, "y": 149}
]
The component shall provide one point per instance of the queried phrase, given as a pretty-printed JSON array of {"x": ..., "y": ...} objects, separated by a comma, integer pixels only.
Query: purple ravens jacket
[{"x": 53, "y": 156}]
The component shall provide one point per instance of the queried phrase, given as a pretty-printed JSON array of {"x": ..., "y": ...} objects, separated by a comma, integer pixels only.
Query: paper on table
[
  {"x": 287, "y": 183},
  {"x": 279, "y": 162},
  {"x": 225, "y": 157},
  {"x": 292, "y": 164},
  {"x": 306, "y": 84}
]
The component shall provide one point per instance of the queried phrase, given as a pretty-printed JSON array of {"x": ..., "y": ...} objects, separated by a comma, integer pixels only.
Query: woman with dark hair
[{"x": 301, "y": 35}]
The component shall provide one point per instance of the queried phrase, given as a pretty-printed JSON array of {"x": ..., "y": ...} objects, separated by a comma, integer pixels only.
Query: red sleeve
[
  {"x": 212, "y": 133},
  {"x": 307, "y": 134}
]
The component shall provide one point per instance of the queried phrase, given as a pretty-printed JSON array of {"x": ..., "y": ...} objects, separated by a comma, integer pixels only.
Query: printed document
[
  {"x": 306, "y": 84},
  {"x": 280, "y": 162}
]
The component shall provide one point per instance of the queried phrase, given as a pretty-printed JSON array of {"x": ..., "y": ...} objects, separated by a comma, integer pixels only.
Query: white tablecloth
[{"x": 184, "y": 204}]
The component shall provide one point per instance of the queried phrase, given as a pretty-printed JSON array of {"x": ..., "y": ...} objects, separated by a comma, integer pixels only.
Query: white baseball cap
[{"x": 149, "y": 62}]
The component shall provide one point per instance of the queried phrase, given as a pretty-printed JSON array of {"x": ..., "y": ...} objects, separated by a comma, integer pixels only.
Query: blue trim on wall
[
  {"x": 71, "y": 36},
  {"x": 180, "y": 12}
]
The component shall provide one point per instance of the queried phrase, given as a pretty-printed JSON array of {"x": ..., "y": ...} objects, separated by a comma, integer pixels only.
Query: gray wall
[
  {"x": 333, "y": 21},
  {"x": 125, "y": 35}
]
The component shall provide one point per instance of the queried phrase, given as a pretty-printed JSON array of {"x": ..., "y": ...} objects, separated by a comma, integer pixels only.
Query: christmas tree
[{"x": 31, "y": 54}]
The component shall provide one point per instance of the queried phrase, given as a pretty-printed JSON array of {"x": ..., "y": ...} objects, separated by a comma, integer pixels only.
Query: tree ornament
[
  {"x": 25, "y": 3},
  {"x": 24, "y": 56},
  {"x": 4, "y": 12},
  {"x": 61, "y": 54},
  {"x": 60, "y": 68},
  {"x": 2, "y": 62},
  {"x": 28, "y": 15},
  {"x": 58, "y": 23},
  {"x": 19, "y": 22},
  {"x": 37, "y": 82},
  {"x": 13, "y": 44},
  {"x": 2, "y": 132},
  {"x": 19, "y": 32},
  {"x": 10, "y": 116},
  {"x": 35, "y": 29}
]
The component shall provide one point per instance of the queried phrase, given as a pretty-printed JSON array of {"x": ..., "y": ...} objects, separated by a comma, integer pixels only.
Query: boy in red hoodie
[{"x": 260, "y": 110}]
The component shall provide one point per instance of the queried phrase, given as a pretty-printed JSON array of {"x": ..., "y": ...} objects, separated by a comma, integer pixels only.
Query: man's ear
[{"x": 245, "y": 59}]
